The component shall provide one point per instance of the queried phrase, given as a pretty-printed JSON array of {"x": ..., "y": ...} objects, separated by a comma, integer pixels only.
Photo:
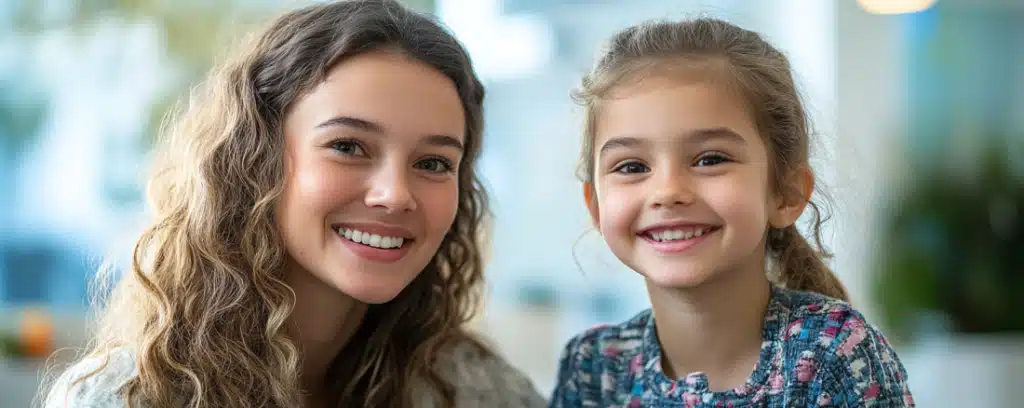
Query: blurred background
[{"x": 919, "y": 106}]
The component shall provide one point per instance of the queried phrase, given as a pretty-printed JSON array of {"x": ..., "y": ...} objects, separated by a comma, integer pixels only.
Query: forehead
[
  {"x": 402, "y": 94},
  {"x": 668, "y": 105}
]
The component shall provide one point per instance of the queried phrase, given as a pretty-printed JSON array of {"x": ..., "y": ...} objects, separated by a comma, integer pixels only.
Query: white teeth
[
  {"x": 374, "y": 240},
  {"x": 679, "y": 234}
]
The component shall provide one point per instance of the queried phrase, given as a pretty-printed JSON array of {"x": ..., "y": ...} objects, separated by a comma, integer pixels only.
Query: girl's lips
[{"x": 676, "y": 245}]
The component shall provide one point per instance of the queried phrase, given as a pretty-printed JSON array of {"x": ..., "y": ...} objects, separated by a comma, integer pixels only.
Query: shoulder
[
  {"x": 93, "y": 382},
  {"x": 849, "y": 359},
  {"x": 817, "y": 323},
  {"x": 482, "y": 377},
  {"x": 609, "y": 341},
  {"x": 592, "y": 357}
]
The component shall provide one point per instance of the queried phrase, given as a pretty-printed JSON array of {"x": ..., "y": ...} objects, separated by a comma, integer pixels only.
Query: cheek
[
  {"x": 320, "y": 187},
  {"x": 311, "y": 192},
  {"x": 741, "y": 200},
  {"x": 439, "y": 203},
  {"x": 618, "y": 214}
]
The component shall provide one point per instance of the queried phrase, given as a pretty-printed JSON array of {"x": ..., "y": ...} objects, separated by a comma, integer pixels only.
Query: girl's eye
[
  {"x": 631, "y": 168},
  {"x": 435, "y": 165},
  {"x": 348, "y": 148},
  {"x": 710, "y": 159}
]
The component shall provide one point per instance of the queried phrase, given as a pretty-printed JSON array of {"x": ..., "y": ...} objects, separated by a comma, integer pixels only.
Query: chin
[
  {"x": 375, "y": 298},
  {"x": 677, "y": 278},
  {"x": 373, "y": 294},
  {"x": 374, "y": 290}
]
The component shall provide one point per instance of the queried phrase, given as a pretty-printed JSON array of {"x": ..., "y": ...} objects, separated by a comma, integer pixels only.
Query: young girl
[
  {"x": 317, "y": 232},
  {"x": 695, "y": 169}
]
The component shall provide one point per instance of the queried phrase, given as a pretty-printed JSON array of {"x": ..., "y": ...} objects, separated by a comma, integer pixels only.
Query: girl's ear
[
  {"x": 590, "y": 197},
  {"x": 793, "y": 198}
]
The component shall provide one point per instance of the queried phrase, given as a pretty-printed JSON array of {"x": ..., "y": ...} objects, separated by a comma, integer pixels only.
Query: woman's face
[{"x": 371, "y": 174}]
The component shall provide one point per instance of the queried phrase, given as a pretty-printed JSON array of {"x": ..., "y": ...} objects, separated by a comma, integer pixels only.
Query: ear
[
  {"x": 791, "y": 201},
  {"x": 590, "y": 197}
]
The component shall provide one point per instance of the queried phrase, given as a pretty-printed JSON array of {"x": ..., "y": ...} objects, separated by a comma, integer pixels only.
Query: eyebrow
[
  {"x": 720, "y": 133},
  {"x": 698, "y": 136},
  {"x": 374, "y": 127}
]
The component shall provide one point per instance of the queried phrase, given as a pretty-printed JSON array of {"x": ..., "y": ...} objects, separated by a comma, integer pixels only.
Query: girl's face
[
  {"x": 681, "y": 187},
  {"x": 371, "y": 163}
]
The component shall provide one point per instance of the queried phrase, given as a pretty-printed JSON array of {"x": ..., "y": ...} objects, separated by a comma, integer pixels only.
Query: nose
[
  {"x": 389, "y": 190},
  {"x": 672, "y": 187}
]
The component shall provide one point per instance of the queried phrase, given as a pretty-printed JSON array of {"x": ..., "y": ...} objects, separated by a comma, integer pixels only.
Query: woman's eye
[
  {"x": 435, "y": 165},
  {"x": 710, "y": 160},
  {"x": 631, "y": 167},
  {"x": 348, "y": 148}
]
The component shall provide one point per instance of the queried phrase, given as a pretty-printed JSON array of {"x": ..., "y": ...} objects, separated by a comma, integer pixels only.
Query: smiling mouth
[
  {"x": 372, "y": 240},
  {"x": 679, "y": 233}
]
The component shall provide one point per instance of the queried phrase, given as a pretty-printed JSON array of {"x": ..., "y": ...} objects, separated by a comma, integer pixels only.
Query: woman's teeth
[
  {"x": 366, "y": 238},
  {"x": 679, "y": 234}
]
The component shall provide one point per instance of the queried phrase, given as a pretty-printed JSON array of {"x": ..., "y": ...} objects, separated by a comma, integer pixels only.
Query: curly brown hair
[{"x": 203, "y": 307}]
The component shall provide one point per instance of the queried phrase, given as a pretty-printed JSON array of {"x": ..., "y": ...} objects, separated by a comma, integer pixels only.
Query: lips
[
  {"x": 677, "y": 237},
  {"x": 375, "y": 242},
  {"x": 374, "y": 235},
  {"x": 677, "y": 231},
  {"x": 371, "y": 239}
]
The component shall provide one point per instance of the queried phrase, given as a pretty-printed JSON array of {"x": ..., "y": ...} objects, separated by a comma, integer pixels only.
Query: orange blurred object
[{"x": 36, "y": 334}]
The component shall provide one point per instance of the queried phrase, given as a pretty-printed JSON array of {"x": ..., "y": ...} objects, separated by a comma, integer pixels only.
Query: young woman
[{"x": 316, "y": 239}]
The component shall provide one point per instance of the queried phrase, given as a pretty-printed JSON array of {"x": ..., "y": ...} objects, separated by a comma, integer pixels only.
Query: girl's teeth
[
  {"x": 373, "y": 240},
  {"x": 679, "y": 234}
]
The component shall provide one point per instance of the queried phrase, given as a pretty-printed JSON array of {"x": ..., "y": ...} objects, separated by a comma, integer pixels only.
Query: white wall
[{"x": 871, "y": 119}]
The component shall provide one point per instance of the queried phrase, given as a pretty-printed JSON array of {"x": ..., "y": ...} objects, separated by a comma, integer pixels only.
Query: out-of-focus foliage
[
  {"x": 953, "y": 246},
  {"x": 194, "y": 33}
]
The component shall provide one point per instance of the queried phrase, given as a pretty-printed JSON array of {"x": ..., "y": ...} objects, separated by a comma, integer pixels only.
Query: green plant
[
  {"x": 954, "y": 246},
  {"x": 194, "y": 33},
  {"x": 9, "y": 346}
]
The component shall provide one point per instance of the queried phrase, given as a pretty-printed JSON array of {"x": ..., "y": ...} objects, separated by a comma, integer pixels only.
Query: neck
[
  {"x": 714, "y": 328},
  {"x": 323, "y": 321}
]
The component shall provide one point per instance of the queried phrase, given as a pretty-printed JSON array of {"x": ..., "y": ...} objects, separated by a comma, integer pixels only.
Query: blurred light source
[
  {"x": 502, "y": 46},
  {"x": 895, "y": 6}
]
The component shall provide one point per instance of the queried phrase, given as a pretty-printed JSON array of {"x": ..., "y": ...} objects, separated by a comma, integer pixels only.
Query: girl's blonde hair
[
  {"x": 204, "y": 307},
  {"x": 764, "y": 77}
]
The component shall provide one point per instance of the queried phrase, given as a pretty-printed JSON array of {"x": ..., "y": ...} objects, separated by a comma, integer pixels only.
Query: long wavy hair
[{"x": 203, "y": 307}]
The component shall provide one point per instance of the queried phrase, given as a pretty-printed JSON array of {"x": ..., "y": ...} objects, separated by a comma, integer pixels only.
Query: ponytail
[
  {"x": 800, "y": 266},
  {"x": 764, "y": 76}
]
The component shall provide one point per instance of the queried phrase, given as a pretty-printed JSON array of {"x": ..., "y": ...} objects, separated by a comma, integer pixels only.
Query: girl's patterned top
[
  {"x": 816, "y": 352},
  {"x": 479, "y": 380}
]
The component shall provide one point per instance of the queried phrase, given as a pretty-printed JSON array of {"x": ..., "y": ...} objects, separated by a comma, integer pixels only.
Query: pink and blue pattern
[{"x": 816, "y": 352}]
